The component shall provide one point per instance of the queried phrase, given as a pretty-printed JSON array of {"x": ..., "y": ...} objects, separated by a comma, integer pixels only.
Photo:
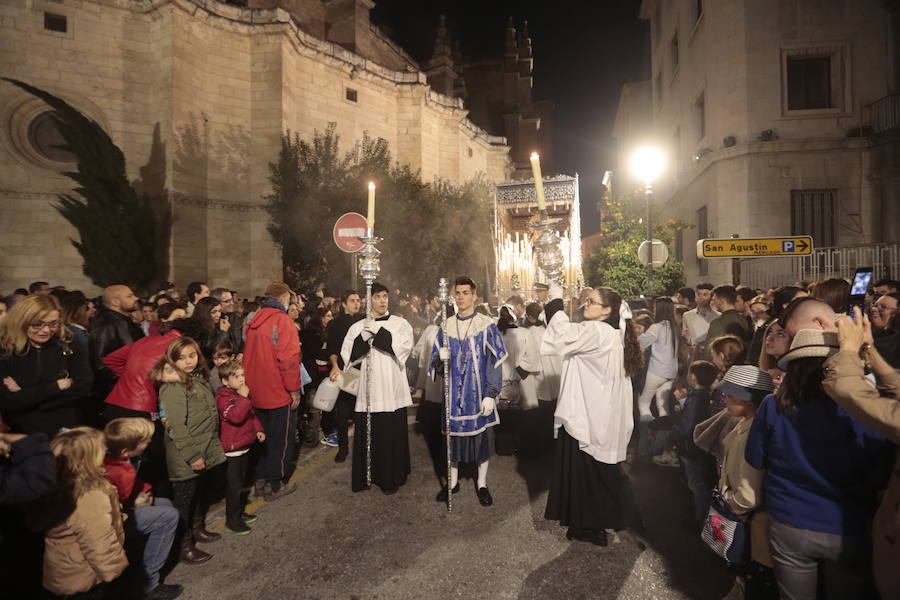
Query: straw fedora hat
[{"x": 810, "y": 343}]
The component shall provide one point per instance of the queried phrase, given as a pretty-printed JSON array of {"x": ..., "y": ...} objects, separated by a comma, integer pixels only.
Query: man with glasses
[
  {"x": 885, "y": 327},
  {"x": 883, "y": 311},
  {"x": 229, "y": 311}
]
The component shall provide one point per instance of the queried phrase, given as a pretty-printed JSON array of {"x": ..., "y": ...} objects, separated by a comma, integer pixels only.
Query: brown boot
[
  {"x": 202, "y": 535},
  {"x": 260, "y": 487},
  {"x": 191, "y": 554}
]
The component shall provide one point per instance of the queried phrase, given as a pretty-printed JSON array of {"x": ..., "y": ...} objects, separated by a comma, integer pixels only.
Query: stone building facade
[
  {"x": 199, "y": 92},
  {"x": 768, "y": 111},
  {"x": 498, "y": 90}
]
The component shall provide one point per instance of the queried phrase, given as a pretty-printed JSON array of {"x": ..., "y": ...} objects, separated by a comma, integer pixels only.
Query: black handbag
[{"x": 725, "y": 533}]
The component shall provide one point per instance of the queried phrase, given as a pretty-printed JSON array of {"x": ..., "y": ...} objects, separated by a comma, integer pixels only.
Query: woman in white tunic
[{"x": 589, "y": 492}]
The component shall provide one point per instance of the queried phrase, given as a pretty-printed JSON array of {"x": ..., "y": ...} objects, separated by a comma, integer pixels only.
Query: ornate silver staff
[
  {"x": 444, "y": 300},
  {"x": 546, "y": 245},
  {"x": 369, "y": 267}
]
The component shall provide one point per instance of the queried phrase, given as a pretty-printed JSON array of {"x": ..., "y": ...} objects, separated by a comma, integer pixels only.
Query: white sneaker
[{"x": 667, "y": 459}]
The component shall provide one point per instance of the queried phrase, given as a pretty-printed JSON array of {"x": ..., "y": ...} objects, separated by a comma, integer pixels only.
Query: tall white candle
[
  {"x": 370, "y": 218},
  {"x": 538, "y": 180}
]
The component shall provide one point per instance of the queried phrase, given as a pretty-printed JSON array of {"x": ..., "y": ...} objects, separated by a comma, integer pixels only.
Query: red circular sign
[{"x": 347, "y": 231}]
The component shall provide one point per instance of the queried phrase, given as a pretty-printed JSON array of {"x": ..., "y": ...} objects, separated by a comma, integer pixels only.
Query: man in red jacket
[
  {"x": 135, "y": 395},
  {"x": 272, "y": 371}
]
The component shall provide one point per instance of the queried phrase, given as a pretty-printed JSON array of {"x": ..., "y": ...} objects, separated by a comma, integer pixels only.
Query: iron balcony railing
[
  {"x": 884, "y": 114},
  {"x": 823, "y": 263}
]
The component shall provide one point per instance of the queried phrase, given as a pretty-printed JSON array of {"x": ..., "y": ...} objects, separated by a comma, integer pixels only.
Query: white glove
[
  {"x": 487, "y": 406},
  {"x": 444, "y": 353},
  {"x": 555, "y": 291},
  {"x": 368, "y": 331}
]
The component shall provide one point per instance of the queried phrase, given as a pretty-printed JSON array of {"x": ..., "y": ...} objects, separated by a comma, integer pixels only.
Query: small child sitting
[
  {"x": 698, "y": 465},
  {"x": 663, "y": 454},
  {"x": 153, "y": 521},
  {"x": 239, "y": 429},
  {"x": 84, "y": 548}
]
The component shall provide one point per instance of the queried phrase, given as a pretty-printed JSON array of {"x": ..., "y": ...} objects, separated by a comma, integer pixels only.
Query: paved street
[{"x": 326, "y": 542}]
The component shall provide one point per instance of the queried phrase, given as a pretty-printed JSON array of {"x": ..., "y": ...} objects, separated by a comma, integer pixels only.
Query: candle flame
[
  {"x": 534, "y": 155},
  {"x": 371, "y": 185}
]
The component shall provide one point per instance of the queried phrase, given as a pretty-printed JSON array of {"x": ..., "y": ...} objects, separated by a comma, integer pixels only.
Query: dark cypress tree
[{"x": 117, "y": 226}]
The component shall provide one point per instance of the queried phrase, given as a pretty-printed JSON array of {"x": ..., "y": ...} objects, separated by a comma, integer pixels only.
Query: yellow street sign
[{"x": 747, "y": 247}]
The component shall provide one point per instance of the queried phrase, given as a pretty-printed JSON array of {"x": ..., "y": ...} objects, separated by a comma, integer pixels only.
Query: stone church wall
[{"x": 219, "y": 84}]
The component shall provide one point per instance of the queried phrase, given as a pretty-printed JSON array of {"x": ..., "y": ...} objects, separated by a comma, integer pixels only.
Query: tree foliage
[
  {"x": 117, "y": 226},
  {"x": 614, "y": 262},
  {"x": 429, "y": 230}
]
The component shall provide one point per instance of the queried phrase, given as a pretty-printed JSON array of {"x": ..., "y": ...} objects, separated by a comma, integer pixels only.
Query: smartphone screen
[{"x": 862, "y": 278}]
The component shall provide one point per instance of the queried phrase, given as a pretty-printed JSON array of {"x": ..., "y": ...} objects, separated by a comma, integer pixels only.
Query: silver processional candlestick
[
  {"x": 546, "y": 245},
  {"x": 369, "y": 267},
  {"x": 444, "y": 300}
]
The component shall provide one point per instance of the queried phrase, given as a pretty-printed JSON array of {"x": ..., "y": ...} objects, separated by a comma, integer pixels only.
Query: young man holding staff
[{"x": 476, "y": 353}]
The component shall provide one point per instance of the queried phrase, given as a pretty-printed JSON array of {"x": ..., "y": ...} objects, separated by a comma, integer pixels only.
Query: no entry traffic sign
[
  {"x": 748, "y": 247},
  {"x": 347, "y": 230}
]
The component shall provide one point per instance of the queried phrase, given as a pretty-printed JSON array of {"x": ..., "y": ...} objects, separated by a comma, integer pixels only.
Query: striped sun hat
[{"x": 746, "y": 382}]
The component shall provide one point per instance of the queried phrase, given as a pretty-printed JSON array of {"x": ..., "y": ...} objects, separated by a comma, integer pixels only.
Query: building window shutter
[{"x": 812, "y": 213}]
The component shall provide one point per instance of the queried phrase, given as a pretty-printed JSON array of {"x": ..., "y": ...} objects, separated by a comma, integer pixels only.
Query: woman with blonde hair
[
  {"x": 84, "y": 538},
  {"x": 44, "y": 377}
]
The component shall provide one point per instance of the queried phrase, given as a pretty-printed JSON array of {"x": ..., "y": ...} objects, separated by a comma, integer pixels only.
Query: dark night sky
[{"x": 583, "y": 52}]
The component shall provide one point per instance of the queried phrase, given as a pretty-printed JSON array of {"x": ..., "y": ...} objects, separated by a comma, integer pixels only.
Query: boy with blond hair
[{"x": 153, "y": 520}]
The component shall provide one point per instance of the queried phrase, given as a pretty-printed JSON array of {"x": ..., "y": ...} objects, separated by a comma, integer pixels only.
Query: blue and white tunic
[{"x": 476, "y": 355}]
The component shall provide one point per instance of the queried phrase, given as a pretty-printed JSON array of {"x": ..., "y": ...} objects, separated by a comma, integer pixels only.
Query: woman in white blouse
[
  {"x": 589, "y": 492},
  {"x": 665, "y": 342}
]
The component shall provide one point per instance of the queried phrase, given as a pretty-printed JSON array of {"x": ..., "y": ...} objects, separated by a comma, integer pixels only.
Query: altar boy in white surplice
[{"x": 386, "y": 340}]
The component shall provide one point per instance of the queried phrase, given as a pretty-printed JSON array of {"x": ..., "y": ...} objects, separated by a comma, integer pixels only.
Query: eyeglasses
[
  {"x": 593, "y": 302},
  {"x": 39, "y": 325}
]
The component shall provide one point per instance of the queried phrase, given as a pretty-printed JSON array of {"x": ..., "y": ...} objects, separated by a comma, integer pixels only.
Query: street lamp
[{"x": 647, "y": 163}]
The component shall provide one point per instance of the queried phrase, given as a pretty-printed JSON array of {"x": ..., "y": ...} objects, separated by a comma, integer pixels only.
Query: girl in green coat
[{"x": 188, "y": 411}]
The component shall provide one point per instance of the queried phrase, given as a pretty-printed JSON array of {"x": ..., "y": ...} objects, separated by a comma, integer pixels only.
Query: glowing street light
[{"x": 647, "y": 164}]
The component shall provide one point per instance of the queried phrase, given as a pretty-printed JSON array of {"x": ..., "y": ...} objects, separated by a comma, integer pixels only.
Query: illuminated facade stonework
[{"x": 199, "y": 93}]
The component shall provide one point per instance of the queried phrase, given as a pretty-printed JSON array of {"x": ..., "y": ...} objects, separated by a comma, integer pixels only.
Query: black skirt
[
  {"x": 472, "y": 448},
  {"x": 390, "y": 450},
  {"x": 588, "y": 495}
]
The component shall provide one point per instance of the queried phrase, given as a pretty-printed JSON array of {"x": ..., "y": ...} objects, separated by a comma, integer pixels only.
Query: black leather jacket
[
  {"x": 109, "y": 332},
  {"x": 41, "y": 406}
]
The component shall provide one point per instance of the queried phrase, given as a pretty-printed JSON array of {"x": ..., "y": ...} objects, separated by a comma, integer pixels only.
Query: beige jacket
[
  {"x": 879, "y": 410},
  {"x": 88, "y": 548}
]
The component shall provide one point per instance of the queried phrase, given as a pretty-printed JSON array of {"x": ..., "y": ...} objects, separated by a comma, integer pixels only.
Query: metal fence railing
[
  {"x": 824, "y": 263},
  {"x": 883, "y": 114}
]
